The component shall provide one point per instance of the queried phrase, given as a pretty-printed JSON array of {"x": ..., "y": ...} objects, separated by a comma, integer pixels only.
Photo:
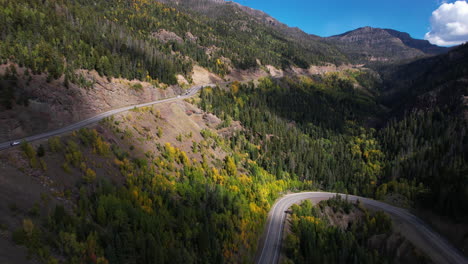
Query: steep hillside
[
  {"x": 63, "y": 61},
  {"x": 426, "y": 135},
  {"x": 375, "y": 45},
  {"x": 435, "y": 82},
  {"x": 247, "y": 18},
  {"x": 155, "y": 185},
  {"x": 30, "y": 104},
  {"x": 144, "y": 39}
]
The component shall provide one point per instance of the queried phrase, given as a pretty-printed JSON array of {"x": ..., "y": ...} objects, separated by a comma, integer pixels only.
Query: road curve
[
  {"x": 192, "y": 91},
  {"x": 431, "y": 243}
]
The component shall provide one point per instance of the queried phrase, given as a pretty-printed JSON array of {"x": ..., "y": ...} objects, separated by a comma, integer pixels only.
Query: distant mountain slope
[
  {"x": 422, "y": 45},
  {"x": 299, "y": 49},
  {"x": 268, "y": 20},
  {"x": 214, "y": 7},
  {"x": 435, "y": 82},
  {"x": 365, "y": 45},
  {"x": 368, "y": 44}
]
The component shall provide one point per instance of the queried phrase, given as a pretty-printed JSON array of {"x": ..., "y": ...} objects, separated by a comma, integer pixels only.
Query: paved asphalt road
[
  {"x": 192, "y": 91},
  {"x": 436, "y": 247}
]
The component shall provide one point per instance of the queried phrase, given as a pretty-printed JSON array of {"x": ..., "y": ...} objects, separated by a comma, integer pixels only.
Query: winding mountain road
[
  {"x": 191, "y": 91},
  {"x": 427, "y": 240},
  {"x": 413, "y": 228}
]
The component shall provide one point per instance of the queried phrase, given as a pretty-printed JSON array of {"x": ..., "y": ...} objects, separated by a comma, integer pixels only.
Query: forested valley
[
  {"x": 312, "y": 133},
  {"x": 192, "y": 180},
  {"x": 171, "y": 205}
]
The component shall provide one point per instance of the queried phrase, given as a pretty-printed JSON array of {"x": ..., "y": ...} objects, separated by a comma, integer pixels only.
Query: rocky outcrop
[
  {"x": 166, "y": 36},
  {"x": 190, "y": 37}
]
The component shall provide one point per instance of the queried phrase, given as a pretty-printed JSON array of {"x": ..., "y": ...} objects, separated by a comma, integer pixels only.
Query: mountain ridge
[
  {"x": 368, "y": 44},
  {"x": 365, "y": 45}
]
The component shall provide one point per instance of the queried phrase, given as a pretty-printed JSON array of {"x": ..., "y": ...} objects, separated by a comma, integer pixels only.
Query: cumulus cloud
[{"x": 449, "y": 24}]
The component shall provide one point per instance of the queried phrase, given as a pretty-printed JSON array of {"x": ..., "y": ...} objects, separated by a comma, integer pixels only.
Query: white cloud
[{"x": 449, "y": 24}]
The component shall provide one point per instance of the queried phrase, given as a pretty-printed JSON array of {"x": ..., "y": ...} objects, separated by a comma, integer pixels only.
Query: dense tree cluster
[
  {"x": 315, "y": 130},
  {"x": 298, "y": 139},
  {"x": 170, "y": 209},
  {"x": 57, "y": 37},
  {"x": 429, "y": 147},
  {"x": 314, "y": 240}
]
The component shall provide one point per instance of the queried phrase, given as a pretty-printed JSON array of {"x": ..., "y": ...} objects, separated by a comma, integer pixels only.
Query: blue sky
[{"x": 331, "y": 17}]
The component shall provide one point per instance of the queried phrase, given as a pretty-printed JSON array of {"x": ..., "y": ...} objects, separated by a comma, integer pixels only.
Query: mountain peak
[{"x": 367, "y": 28}]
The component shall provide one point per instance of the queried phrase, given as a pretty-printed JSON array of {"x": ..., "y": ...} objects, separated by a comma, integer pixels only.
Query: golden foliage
[
  {"x": 235, "y": 87},
  {"x": 28, "y": 227}
]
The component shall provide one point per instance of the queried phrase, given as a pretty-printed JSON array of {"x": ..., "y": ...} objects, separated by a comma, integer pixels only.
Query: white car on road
[{"x": 15, "y": 143}]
